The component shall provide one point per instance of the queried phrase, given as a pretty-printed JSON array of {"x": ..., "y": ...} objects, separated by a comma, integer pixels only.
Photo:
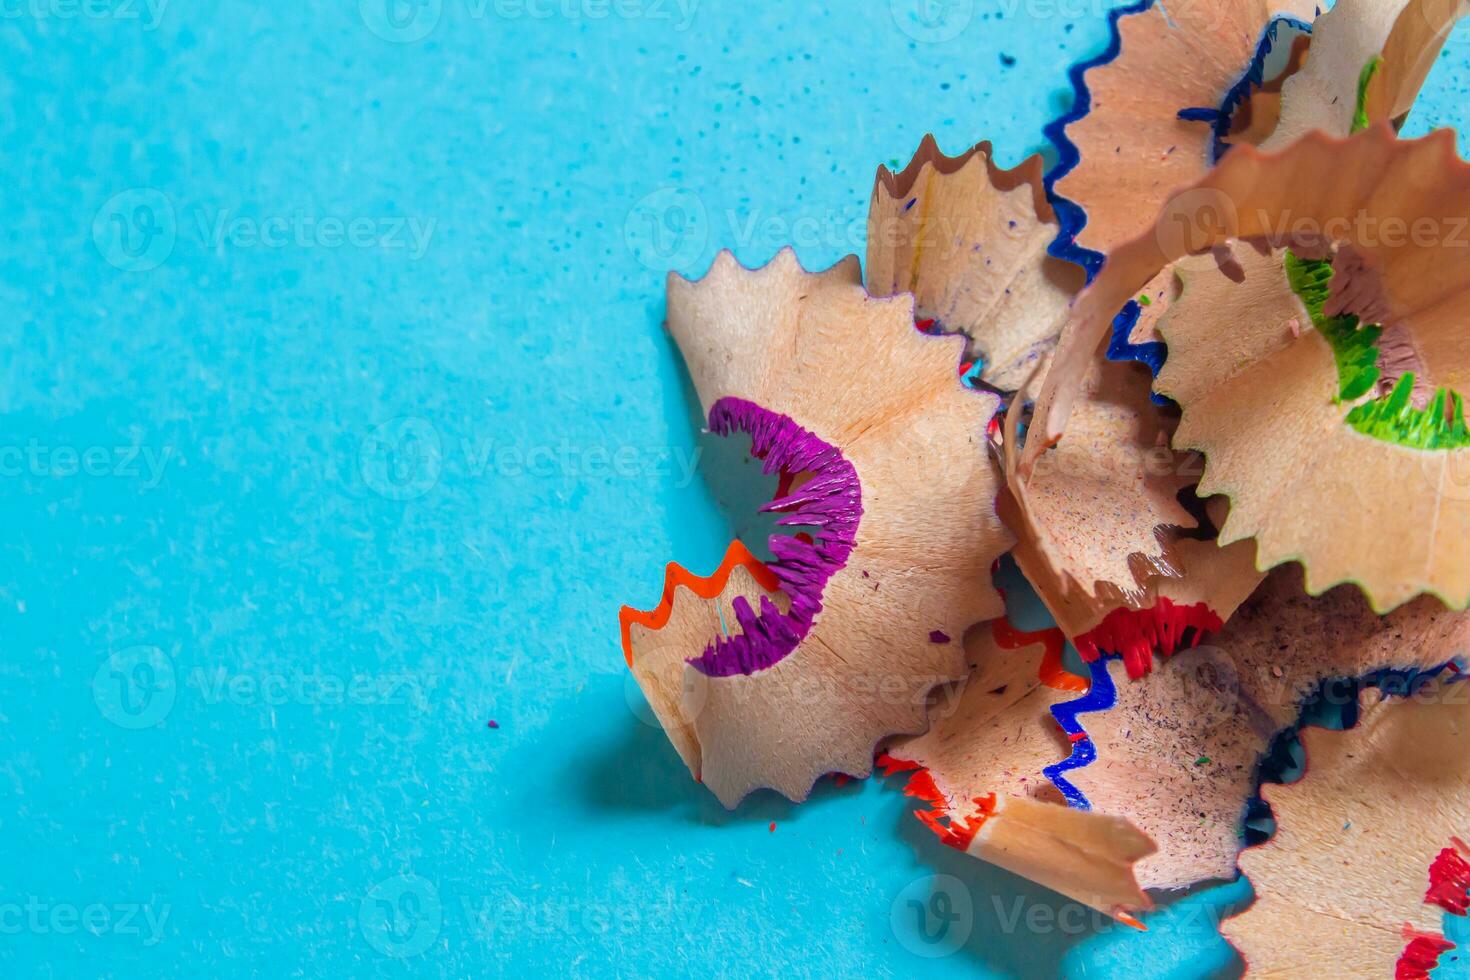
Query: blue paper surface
[{"x": 336, "y": 422}]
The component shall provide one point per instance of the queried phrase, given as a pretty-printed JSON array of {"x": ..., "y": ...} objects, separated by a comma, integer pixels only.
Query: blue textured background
[{"x": 336, "y": 420}]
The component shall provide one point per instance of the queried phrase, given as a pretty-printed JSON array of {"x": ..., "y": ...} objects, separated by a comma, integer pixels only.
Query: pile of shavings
[{"x": 1187, "y": 391}]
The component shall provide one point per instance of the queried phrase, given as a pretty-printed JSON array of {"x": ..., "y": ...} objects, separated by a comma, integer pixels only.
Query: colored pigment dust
[
  {"x": 1137, "y": 634},
  {"x": 830, "y": 499},
  {"x": 1449, "y": 889},
  {"x": 1439, "y": 425},
  {"x": 1365, "y": 78}
]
